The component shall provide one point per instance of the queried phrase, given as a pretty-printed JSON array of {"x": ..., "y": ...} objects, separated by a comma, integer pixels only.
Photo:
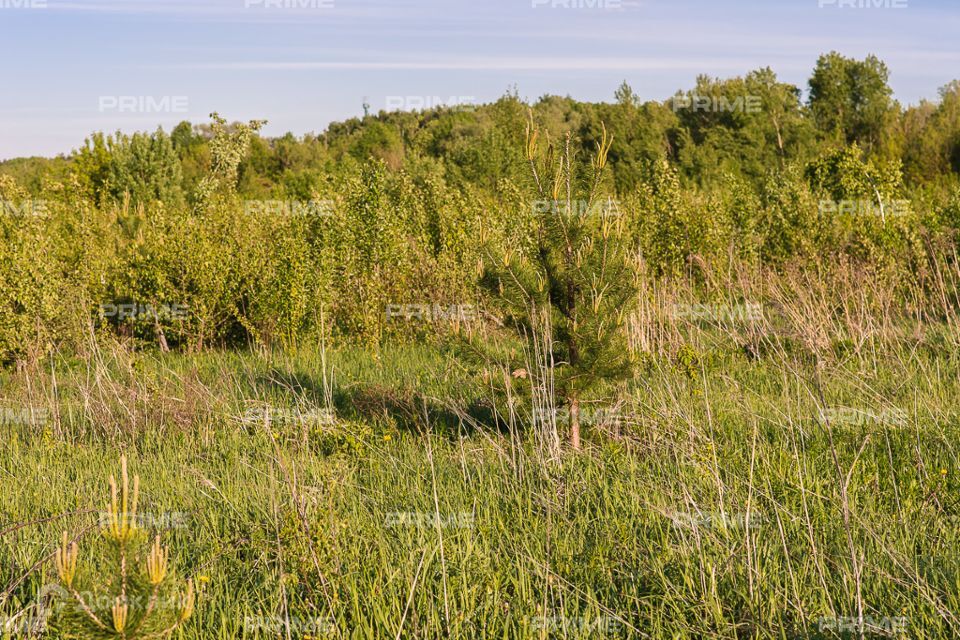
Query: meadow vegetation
[{"x": 634, "y": 369}]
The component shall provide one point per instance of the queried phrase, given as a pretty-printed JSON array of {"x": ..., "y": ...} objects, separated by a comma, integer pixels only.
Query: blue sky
[{"x": 303, "y": 63}]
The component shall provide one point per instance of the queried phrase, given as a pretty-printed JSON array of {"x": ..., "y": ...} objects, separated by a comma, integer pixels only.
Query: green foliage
[
  {"x": 92, "y": 164},
  {"x": 204, "y": 217},
  {"x": 742, "y": 126},
  {"x": 30, "y": 283},
  {"x": 143, "y": 168},
  {"x": 789, "y": 223},
  {"x": 378, "y": 141},
  {"x": 933, "y": 138},
  {"x": 669, "y": 229},
  {"x": 843, "y": 176},
  {"x": 227, "y": 148},
  {"x": 146, "y": 168},
  {"x": 851, "y": 100},
  {"x": 579, "y": 270}
]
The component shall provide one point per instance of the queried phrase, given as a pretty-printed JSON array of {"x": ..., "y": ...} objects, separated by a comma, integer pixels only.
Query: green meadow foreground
[{"x": 731, "y": 495}]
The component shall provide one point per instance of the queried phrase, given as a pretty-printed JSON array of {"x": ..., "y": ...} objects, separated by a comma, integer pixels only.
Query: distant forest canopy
[
  {"x": 240, "y": 239},
  {"x": 745, "y": 127}
]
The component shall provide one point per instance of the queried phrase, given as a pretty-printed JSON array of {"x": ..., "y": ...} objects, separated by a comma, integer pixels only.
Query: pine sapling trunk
[
  {"x": 575, "y": 423},
  {"x": 161, "y": 337}
]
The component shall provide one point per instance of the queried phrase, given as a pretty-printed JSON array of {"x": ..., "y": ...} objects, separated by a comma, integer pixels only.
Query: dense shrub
[{"x": 258, "y": 239}]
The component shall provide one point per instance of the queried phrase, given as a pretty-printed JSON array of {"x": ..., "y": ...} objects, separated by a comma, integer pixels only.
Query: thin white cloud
[
  {"x": 486, "y": 64},
  {"x": 245, "y": 10},
  {"x": 140, "y": 6}
]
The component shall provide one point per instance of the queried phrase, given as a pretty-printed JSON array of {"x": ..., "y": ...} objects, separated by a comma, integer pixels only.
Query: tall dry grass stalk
[
  {"x": 819, "y": 307},
  {"x": 542, "y": 390}
]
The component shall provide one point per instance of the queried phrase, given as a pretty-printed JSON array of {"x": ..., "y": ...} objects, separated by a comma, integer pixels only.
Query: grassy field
[
  {"x": 767, "y": 491},
  {"x": 653, "y": 365}
]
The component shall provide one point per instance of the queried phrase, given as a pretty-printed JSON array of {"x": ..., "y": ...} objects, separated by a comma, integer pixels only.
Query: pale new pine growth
[
  {"x": 157, "y": 563},
  {"x": 123, "y": 512},
  {"x": 120, "y": 611},
  {"x": 66, "y": 560},
  {"x": 188, "y": 601}
]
